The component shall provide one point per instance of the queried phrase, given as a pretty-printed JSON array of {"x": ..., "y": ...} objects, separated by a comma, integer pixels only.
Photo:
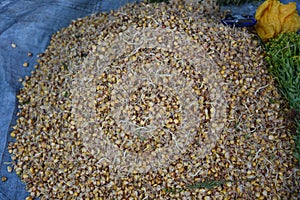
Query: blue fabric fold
[{"x": 29, "y": 24}]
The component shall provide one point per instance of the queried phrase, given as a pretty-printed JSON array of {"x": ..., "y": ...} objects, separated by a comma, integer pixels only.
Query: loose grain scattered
[
  {"x": 3, "y": 179},
  {"x": 13, "y": 45},
  {"x": 29, "y": 54},
  {"x": 25, "y": 64},
  {"x": 9, "y": 169}
]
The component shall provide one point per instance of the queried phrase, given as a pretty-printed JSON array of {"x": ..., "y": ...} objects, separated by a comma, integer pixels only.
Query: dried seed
[
  {"x": 3, "y": 179},
  {"x": 9, "y": 169},
  {"x": 29, "y": 54}
]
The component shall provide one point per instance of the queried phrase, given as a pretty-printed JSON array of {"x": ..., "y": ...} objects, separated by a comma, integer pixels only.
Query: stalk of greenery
[
  {"x": 283, "y": 56},
  {"x": 235, "y": 2},
  {"x": 208, "y": 184}
]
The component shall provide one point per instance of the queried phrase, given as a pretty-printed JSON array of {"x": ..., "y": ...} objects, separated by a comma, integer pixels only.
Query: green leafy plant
[{"x": 283, "y": 56}]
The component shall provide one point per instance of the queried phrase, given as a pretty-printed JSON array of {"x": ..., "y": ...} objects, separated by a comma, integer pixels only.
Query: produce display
[{"x": 157, "y": 101}]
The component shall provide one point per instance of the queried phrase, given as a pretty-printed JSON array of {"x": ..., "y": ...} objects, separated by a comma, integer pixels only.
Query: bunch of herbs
[{"x": 283, "y": 57}]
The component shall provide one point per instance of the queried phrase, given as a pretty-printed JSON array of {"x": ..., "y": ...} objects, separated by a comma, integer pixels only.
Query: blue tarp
[{"x": 29, "y": 24}]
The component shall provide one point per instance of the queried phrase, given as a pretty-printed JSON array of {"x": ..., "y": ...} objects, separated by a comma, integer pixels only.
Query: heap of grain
[{"x": 152, "y": 102}]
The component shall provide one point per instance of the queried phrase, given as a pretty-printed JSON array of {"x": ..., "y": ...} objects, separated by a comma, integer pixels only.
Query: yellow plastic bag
[{"x": 274, "y": 18}]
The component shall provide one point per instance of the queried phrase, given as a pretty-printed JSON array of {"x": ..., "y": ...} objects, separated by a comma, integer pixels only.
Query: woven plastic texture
[{"x": 29, "y": 25}]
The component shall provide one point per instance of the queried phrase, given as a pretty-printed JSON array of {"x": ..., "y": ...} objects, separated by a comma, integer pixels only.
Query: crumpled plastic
[{"x": 274, "y": 18}]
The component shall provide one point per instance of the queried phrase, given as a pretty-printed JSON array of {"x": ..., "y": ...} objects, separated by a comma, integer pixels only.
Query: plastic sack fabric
[
  {"x": 274, "y": 18},
  {"x": 30, "y": 24}
]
